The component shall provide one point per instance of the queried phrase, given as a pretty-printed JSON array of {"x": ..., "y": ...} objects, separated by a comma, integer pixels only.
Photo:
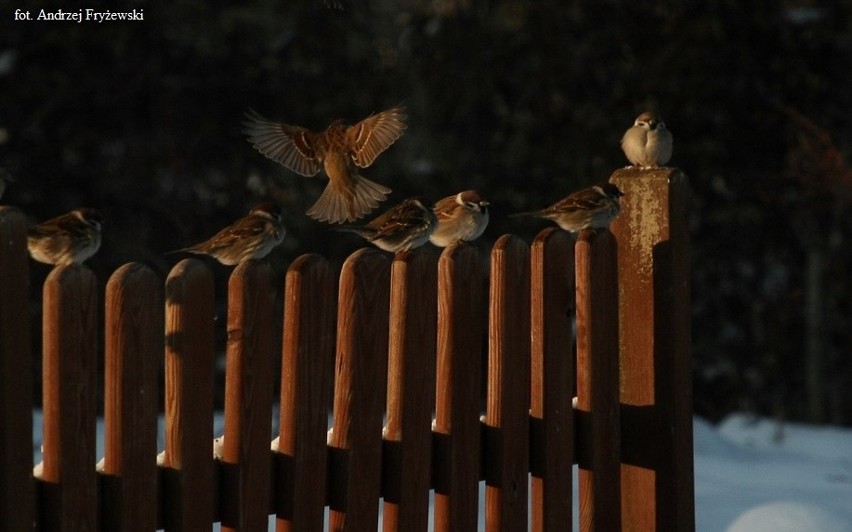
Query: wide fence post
[
  {"x": 133, "y": 347},
  {"x": 16, "y": 385},
  {"x": 456, "y": 436},
  {"x": 552, "y": 380},
  {"x": 188, "y": 473},
  {"x": 656, "y": 390},
  {"x": 508, "y": 395},
  {"x": 306, "y": 380},
  {"x": 69, "y": 487},
  {"x": 598, "y": 380},
  {"x": 246, "y": 458},
  {"x": 360, "y": 388},
  {"x": 411, "y": 391}
]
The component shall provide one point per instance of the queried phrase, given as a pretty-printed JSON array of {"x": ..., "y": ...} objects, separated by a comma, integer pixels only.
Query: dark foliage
[{"x": 525, "y": 101}]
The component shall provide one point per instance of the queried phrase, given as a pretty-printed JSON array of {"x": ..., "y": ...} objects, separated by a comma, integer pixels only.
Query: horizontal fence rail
[{"x": 439, "y": 371}]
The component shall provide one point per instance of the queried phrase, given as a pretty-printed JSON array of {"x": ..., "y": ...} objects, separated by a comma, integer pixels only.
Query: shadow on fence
[{"x": 403, "y": 338}]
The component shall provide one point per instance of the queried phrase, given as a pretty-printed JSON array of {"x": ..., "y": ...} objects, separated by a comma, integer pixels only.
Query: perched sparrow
[
  {"x": 460, "y": 217},
  {"x": 648, "y": 144},
  {"x": 593, "y": 207},
  {"x": 339, "y": 150},
  {"x": 404, "y": 227},
  {"x": 68, "y": 239},
  {"x": 250, "y": 237}
]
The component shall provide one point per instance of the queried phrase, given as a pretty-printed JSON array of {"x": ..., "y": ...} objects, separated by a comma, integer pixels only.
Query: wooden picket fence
[{"x": 402, "y": 345}]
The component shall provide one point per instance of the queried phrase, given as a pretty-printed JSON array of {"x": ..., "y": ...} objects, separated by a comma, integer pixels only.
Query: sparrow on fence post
[
  {"x": 339, "y": 151},
  {"x": 593, "y": 207},
  {"x": 462, "y": 217},
  {"x": 71, "y": 238},
  {"x": 648, "y": 143},
  {"x": 251, "y": 237},
  {"x": 402, "y": 228}
]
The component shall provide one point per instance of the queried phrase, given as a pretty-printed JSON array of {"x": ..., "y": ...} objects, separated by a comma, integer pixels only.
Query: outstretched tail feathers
[{"x": 347, "y": 205}]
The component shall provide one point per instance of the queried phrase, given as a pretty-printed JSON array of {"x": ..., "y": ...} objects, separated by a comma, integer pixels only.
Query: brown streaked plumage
[
  {"x": 339, "y": 151},
  {"x": 593, "y": 207},
  {"x": 250, "y": 237},
  {"x": 402, "y": 228},
  {"x": 462, "y": 217},
  {"x": 71, "y": 238}
]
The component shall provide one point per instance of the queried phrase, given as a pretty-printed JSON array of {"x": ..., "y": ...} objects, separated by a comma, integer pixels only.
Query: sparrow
[
  {"x": 404, "y": 227},
  {"x": 68, "y": 239},
  {"x": 250, "y": 237},
  {"x": 339, "y": 151},
  {"x": 648, "y": 143},
  {"x": 593, "y": 207},
  {"x": 460, "y": 217}
]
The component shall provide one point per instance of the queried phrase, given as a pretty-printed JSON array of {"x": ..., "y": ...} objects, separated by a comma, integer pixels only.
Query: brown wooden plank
[
  {"x": 597, "y": 378},
  {"x": 188, "y": 479},
  {"x": 411, "y": 389},
  {"x": 249, "y": 383},
  {"x": 652, "y": 232},
  {"x": 133, "y": 344},
  {"x": 306, "y": 380},
  {"x": 70, "y": 326},
  {"x": 360, "y": 386},
  {"x": 552, "y": 377},
  {"x": 508, "y": 397},
  {"x": 16, "y": 385},
  {"x": 458, "y": 383}
]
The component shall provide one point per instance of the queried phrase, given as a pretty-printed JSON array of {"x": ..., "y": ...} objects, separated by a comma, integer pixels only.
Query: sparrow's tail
[
  {"x": 348, "y": 204},
  {"x": 359, "y": 230},
  {"x": 525, "y": 214}
]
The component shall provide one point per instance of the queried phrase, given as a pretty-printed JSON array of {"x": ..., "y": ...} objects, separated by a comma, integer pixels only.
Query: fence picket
[
  {"x": 552, "y": 379},
  {"x": 69, "y": 493},
  {"x": 188, "y": 474},
  {"x": 306, "y": 381},
  {"x": 16, "y": 386},
  {"x": 246, "y": 459},
  {"x": 411, "y": 391},
  {"x": 507, "y": 413},
  {"x": 360, "y": 387},
  {"x": 597, "y": 379},
  {"x": 653, "y": 263},
  {"x": 456, "y": 438},
  {"x": 134, "y": 321}
]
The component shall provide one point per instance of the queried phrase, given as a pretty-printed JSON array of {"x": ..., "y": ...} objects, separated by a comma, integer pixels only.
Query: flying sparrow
[
  {"x": 339, "y": 150},
  {"x": 593, "y": 207},
  {"x": 68, "y": 239},
  {"x": 404, "y": 227},
  {"x": 250, "y": 237},
  {"x": 648, "y": 143},
  {"x": 460, "y": 217}
]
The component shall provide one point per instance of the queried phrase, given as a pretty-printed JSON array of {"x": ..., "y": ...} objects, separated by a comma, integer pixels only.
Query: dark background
[{"x": 524, "y": 101}]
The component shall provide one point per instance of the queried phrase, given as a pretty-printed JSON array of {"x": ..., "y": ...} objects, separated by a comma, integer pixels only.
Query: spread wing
[
  {"x": 373, "y": 135},
  {"x": 288, "y": 145}
]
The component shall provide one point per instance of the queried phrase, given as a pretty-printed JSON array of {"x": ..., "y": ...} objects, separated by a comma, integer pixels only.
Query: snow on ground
[{"x": 751, "y": 475}]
